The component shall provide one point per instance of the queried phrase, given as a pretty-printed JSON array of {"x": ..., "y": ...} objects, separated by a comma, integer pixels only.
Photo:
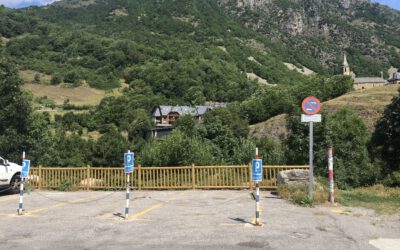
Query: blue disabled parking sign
[
  {"x": 128, "y": 162},
  {"x": 26, "y": 164},
  {"x": 257, "y": 170}
]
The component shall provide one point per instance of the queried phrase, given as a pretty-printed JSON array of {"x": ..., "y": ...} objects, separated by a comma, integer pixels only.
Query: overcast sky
[{"x": 24, "y": 3}]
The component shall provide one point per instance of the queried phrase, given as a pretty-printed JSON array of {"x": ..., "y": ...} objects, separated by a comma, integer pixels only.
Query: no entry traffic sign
[{"x": 311, "y": 105}]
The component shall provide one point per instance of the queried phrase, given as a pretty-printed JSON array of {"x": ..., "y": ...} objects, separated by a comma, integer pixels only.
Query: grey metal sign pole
[
  {"x": 310, "y": 171},
  {"x": 311, "y": 106}
]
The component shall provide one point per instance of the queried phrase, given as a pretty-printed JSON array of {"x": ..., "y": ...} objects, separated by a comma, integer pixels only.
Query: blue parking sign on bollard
[
  {"x": 257, "y": 170},
  {"x": 128, "y": 161},
  {"x": 26, "y": 164}
]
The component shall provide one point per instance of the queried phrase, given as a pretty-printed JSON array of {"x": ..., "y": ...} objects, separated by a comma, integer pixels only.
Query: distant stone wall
[{"x": 358, "y": 86}]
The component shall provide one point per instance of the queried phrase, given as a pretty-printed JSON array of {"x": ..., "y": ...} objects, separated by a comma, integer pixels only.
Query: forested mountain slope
[
  {"x": 187, "y": 51},
  {"x": 192, "y": 51},
  {"x": 317, "y": 32}
]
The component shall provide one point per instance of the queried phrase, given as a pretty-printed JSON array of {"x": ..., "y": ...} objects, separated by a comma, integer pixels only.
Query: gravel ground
[{"x": 187, "y": 220}]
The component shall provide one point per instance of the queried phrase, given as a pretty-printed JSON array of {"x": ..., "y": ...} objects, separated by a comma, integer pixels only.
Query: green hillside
[
  {"x": 198, "y": 50},
  {"x": 316, "y": 33},
  {"x": 186, "y": 50}
]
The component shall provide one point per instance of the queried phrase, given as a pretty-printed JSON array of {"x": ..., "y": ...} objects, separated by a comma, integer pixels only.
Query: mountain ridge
[
  {"x": 101, "y": 42},
  {"x": 364, "y": 30}
]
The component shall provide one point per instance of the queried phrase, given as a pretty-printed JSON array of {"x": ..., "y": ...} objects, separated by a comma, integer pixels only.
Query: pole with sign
[
  {"x": 24, "y": 174},
  {"x": 311, "y": 106},
  {"x": 257, "y": 177},
  {"x": 128, "y": 162}
]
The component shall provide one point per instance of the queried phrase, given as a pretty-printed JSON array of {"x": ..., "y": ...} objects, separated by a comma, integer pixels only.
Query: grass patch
[
  {"x": 28, "y": 188},
  {"x": 383, "y": 200},
  {"x": 298, "y": 194},
  {"x": 81, "y": 95},
  {"x": 369, "y": 104},
  {"x": 66, "y": 186},
  {"x": 28, "y": 76}
]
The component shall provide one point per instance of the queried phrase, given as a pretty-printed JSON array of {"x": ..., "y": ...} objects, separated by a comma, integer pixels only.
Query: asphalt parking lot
[{"x": 186, "y": 220}]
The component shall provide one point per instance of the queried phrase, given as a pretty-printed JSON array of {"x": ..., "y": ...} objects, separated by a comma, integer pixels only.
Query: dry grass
[
  {"x": 4, "y": 41},
  {"x": 187, "y": 19},
  {"x": 119, "y": 12},
  {"x": 274, "y": 128},
  {"x": 27, "y": 76},
  {"x": 305, "y": 71},
  {"x": 369, "y": 104},
  {"x": 81, "y": 95},
  {"x": 298, "y": 194},
  {"x": 383, "y": 200}
]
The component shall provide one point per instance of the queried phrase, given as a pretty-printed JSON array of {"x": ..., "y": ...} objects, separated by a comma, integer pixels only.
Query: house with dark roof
[
  {"x": 395, "y": 78},
  {"x": 164, "y": 116}
]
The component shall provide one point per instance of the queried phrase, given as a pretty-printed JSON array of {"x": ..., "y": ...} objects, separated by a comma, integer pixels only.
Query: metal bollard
[
  {"x": 21, "y": 191},
  {"x": 258, "y": 221},
  {"x": 127, "y": 196},
  {"x": 331, "y": 183}
]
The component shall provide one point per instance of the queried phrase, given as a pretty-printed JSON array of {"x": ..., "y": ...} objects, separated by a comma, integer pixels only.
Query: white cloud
[{"x": 25, "y": 3}]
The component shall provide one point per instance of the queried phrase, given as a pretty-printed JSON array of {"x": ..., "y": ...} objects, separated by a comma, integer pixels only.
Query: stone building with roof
[
  {"x": 362, "y": 82},
  {"x": 164, "y": 117},
  {"x": 395, "y": 79}
]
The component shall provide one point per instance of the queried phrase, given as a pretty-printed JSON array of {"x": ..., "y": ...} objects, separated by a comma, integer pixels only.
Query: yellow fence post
[
  {"x": 88, "y": 177},
  {"x": 40, "y": 177},
  {"x": 250, "y": 173},
  {"x": 193, "y": 178},
  {"x": 139, "y": 177}
]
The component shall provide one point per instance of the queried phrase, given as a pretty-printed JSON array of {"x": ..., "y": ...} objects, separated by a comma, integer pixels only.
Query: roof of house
[
  {"x": 184, "y": 110},
  {"x": 396, "y": 77},
  {"x": 360, "y": 80}
]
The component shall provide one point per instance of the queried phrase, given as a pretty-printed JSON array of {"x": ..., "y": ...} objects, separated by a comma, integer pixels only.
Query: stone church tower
[{"x": 346, "y": 67}]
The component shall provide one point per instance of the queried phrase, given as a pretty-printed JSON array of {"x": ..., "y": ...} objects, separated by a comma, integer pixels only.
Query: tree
[
  {"x": 109, "y": 149},
  {"x": 270, "y": 151},
  {"x": 70, "y": 150},
  {"x": 37, "y": 77},
  {"x": 347, "y": 133},
  {"x": 385, "y": 143},
  {"x": 55, "y": 79},
  {"x": 178, "y": 149},
  {"x": 139, "y": 128},
  {"x": 187, "y": 125},
  {"x": 15, "y": 113},
  {"x": 72, "y": 77}
]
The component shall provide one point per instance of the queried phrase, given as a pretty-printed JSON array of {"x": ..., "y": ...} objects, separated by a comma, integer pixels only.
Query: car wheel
[{"x": 15, "y": 184}]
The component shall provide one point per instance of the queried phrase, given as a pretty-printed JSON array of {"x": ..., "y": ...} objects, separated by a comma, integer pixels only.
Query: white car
[{"x": 10, "y": 176}]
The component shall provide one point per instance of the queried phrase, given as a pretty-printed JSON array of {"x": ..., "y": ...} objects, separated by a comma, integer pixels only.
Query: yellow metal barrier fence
[{"x": 189, "y": 177}]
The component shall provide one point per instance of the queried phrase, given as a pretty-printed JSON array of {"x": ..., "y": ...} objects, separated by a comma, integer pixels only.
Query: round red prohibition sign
[{"x": 311, "y": 105}]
